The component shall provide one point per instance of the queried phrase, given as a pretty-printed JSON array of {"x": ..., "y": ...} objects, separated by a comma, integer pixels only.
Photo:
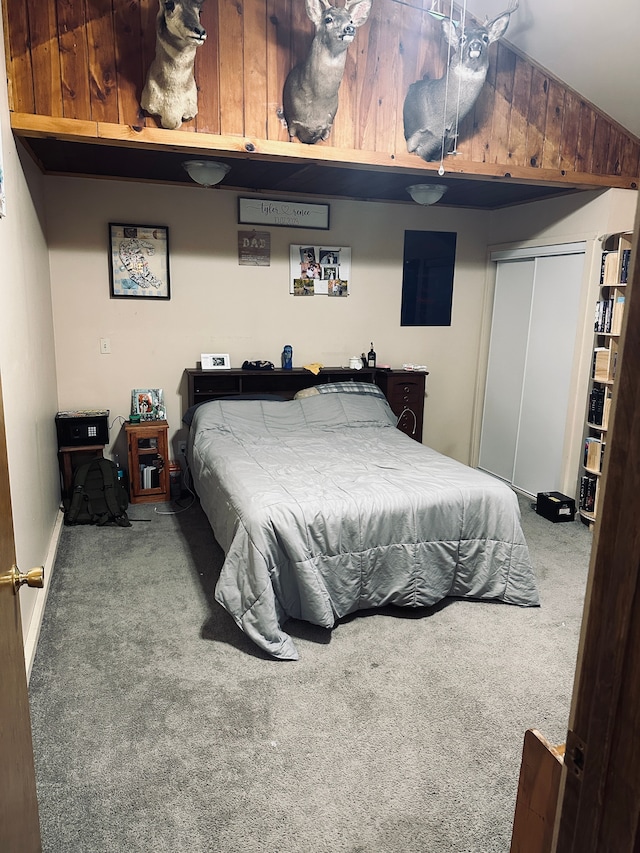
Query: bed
[{"x": 323, "y": 508}]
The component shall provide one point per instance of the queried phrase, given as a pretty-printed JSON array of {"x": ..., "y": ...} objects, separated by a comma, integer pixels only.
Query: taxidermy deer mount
[
  {"x": 434, "y": 108},
  {"x": 310, "y": 96},
  {"x": 170, "y": 90}
]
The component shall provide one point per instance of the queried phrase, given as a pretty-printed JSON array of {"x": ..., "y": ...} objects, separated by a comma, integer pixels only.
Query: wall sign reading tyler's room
[{"x": 292, "y": 214}]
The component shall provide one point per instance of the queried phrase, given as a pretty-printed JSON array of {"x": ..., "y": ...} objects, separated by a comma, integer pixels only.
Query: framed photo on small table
[{"x": 148, "y": 403}]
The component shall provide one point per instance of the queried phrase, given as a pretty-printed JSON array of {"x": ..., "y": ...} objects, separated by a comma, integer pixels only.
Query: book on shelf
[
  {"x": 593, "y": 454},
  {"x": 607, "y": 409},
  {"x": 603, "y": 258},
  {"x": 609, "y": 271},
  {"x": 600, "y": 369},
  {"x": 617, "y": 311},
  {"x": 588, "y": 492},
  {"x": 149, "y": 477},
  {"x": 597, "y": 397},
  {"x": 604, "y": 311},
  {"x": 605, "y": 360},
  {"x": 624, "y": 266},
  {"x": 599, "y": 406}
]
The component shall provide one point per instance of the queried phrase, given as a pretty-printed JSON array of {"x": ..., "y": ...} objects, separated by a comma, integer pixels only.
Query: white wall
[
  {"x": 27, "y": 361},
  {"x": 218, "y": 306}
]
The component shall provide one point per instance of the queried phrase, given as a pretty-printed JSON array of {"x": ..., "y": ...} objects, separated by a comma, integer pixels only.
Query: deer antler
[{"x": 511, "y": 8}]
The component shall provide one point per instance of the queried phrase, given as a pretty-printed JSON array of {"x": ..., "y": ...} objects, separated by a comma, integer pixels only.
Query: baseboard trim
[{"x": 31, "y": 639}]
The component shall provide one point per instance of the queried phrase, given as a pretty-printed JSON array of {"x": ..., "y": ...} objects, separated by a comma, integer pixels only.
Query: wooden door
[
  {"x": 19, "y": 822},
  {"x": 600, "y": 799}
]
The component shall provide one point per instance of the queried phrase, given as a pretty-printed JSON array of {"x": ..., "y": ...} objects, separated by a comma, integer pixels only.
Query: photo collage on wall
[{"x": 320, "y": 270}]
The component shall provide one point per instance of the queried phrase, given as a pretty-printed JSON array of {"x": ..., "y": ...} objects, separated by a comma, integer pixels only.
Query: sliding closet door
[
  {"x": 529, "y": 372},
  {"x": 547, "y": 378},
  {"x": 507, "y": 358}
]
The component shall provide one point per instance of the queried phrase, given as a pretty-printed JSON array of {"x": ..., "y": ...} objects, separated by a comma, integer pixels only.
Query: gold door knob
[{"x": 34, "y": 577}]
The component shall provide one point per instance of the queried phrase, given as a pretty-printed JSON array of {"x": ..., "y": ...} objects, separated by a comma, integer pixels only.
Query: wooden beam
[
  {"x": 88, "y": 61},
  {"x": 28, "y": 125}
]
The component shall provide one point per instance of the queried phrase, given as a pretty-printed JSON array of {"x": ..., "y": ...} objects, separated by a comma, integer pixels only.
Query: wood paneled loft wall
[{"x": 77, "y": 68}]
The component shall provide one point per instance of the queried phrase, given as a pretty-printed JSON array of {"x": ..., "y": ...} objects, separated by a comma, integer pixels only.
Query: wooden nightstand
[
  {"x": 404, "y": 389},
  {"x": 148, "y": 458}
]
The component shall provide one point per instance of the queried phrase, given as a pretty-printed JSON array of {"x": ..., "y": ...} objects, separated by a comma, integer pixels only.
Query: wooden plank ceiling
[{"x": 76, "y": 72}]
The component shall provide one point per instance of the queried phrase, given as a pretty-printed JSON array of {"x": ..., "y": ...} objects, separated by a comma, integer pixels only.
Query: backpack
[{"x": 98, "y": 496}]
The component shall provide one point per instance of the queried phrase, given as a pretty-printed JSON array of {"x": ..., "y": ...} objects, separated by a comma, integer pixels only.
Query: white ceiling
[{"x": 591, "y": 46}]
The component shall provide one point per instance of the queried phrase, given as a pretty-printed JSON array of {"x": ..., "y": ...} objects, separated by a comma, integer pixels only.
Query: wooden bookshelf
[{"x": 614, "y": 272}]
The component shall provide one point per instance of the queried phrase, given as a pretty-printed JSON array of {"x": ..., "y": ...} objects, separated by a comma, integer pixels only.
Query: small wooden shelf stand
[{"x": 147, "y": 445}]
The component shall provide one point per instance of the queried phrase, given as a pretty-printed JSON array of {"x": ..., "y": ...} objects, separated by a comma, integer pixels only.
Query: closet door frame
[{"x": 501, "y": 415}]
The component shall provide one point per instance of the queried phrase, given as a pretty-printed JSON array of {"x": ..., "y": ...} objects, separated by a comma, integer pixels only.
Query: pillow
[
  {"x": 187, "y": 418},
  {"x": 306, "y": 392},
  {"x": 338, "y": 387}
]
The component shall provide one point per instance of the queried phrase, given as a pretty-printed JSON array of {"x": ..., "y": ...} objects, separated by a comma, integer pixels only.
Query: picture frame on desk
[
  {"x": 148, "y": 403},
  {"x": 215, "y": 361},
  {"x": 139, "y": 261}
]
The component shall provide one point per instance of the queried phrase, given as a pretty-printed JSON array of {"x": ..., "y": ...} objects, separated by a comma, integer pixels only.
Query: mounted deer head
[
  {"x": 433, "y": 108},
  {"x": 170, "y": 90},
  {"x": 310, "y": 96}
]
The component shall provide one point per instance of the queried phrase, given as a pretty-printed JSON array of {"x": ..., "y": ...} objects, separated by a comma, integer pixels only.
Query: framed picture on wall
[
  {"x": 139, "y": 261},
  {"x": 289, "y": 214}
]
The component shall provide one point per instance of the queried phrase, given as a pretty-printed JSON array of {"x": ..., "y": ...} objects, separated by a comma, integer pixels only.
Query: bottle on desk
[
  {"x": 371, "y": 357},
  {"x": 287, "y": 357}
]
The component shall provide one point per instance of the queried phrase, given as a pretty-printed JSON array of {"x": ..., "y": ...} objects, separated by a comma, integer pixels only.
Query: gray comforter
[{"x": 323, "y": 508}]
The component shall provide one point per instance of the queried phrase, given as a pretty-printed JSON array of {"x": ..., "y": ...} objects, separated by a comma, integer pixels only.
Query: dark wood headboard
[
  {"x": 404, "y": 390},
  {"x": 206, "y": 385}
]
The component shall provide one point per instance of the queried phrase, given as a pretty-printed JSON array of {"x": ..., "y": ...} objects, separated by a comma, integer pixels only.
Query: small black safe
[{"x": 82, "y": 428}]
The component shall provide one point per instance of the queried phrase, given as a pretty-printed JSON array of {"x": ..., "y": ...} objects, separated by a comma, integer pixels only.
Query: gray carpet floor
[{"x": 158, "y": 726}]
